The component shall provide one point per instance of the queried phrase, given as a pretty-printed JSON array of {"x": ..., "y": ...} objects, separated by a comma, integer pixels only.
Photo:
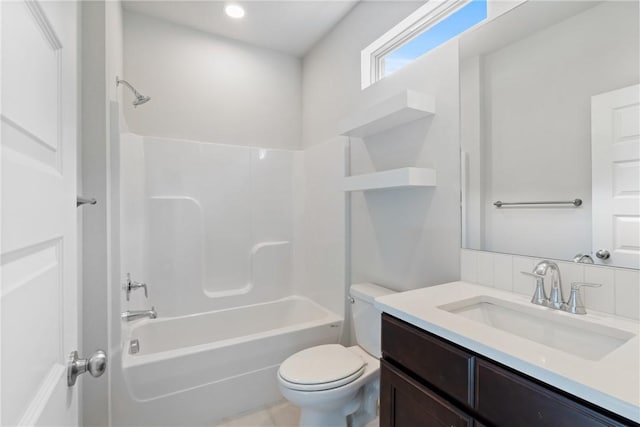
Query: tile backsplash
[{"x": 619, "y": 293}]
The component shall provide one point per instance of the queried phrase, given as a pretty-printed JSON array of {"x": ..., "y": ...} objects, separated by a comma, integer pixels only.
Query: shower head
[{"x": 140, "y": 99}]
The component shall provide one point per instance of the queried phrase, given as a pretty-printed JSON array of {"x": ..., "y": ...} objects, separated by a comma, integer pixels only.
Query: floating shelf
[
  {"x": 394, "y": 178},
  {"x": 402, "y": 108}
]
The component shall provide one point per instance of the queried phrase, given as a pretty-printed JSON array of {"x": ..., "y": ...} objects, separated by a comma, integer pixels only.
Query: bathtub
[{"x": 197, "y": 369}]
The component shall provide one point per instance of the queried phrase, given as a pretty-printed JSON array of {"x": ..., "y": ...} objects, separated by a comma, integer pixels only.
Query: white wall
[
  {"x": 101, "y": 60},
  {"x": 536, "y": 128},
  {"x": 319, "y": 224},
  {"x": 404, "y": 238},
  {"x": 208, "y": 88},
  {"x": 331, "y": 70}
]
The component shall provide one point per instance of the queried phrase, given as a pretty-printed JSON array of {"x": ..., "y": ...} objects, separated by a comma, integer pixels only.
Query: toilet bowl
[{"x": 333, "y": 384}]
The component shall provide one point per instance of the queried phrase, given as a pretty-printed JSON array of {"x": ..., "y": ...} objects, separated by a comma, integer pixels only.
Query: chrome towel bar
[
  {"x": 574, "y": 202},
  {"x": 84, "y": 201}
]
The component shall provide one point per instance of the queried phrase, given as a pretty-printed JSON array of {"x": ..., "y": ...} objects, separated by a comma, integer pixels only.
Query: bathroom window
[{"x": 427, "y": 28}]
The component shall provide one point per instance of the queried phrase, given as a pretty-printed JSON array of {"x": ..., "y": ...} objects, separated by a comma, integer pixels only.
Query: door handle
[
  {"x": 603, "y": 254},
  {"x": 95, "y": 365}
]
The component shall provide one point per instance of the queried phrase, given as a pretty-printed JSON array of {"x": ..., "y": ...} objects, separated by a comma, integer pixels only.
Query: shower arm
[{"x": 126, "y": 83}]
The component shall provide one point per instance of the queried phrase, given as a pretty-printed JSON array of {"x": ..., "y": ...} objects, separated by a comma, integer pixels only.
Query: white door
[
  {"x": 615, "y": 154},
  {"x": 39, "y": 301}
]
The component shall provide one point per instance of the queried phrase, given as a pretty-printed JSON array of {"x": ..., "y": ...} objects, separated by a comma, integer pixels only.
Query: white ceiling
[{"x": 291, "y": 26}]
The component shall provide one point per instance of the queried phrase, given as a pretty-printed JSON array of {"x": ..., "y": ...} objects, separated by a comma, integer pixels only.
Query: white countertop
[{"x": 612, "y": 382}]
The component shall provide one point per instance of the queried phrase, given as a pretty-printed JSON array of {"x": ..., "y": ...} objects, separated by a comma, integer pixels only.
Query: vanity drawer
[
  {"x": 504, "y": 398},
  {"x": 406, "y": 403},
  {"x": 442, "y": 365}
]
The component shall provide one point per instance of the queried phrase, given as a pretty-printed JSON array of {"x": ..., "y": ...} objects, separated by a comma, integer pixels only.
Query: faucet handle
[
  {"x": 575, "y": 304},
  {"x": 136, "y": 285},
  {"x": 578, "y": 285},
  {"x": 537, "y": 276},
  {"x": 539, "y": 296},
  {"x": 131, "y": 285}
]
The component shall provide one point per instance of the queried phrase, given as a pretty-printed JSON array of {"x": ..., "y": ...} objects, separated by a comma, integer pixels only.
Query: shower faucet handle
[{"x": 132, "y": 285}]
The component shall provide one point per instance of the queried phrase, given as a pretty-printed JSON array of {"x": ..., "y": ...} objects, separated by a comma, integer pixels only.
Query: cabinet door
[
  {"x": 506, "y": 399},
  {"x": 439, "y": 363},
  {"x": 406, "y": 403}
]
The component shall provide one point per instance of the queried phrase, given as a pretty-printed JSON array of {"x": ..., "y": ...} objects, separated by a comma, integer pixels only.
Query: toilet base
[
  {"x": 356, "y": 400},
  {"x": 311, "y": 418},
  {"x": 330, "y": 416}
]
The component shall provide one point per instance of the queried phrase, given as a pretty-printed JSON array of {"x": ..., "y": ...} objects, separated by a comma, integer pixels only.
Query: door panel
[
  {"x": 38, "y": 261},
  {"x": 615, "y": 145}
]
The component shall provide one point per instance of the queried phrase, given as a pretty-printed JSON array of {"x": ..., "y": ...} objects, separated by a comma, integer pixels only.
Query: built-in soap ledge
[
  {"x": 402, "y": 108},
  {"x": 394, "y": 178}
]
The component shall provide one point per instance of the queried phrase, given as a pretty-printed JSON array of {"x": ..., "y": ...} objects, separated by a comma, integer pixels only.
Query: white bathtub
[{"x": 194, "y": 370}]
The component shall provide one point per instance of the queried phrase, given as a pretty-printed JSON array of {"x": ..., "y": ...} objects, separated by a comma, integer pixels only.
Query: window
[{"x": 427, "y": 28}]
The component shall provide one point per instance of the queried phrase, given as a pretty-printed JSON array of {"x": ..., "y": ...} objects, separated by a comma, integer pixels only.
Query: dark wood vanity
[{"x": 428, "y": 381}]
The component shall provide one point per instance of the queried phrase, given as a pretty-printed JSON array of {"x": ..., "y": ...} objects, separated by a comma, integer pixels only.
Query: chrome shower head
[{"x": 140, "y": 99}]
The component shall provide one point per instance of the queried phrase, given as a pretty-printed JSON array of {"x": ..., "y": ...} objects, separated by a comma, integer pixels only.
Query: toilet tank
[{"x": 366, "y": 318}]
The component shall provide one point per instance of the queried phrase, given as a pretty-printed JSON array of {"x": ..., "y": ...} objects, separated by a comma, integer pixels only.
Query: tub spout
[{"x": 130, "y": 315}]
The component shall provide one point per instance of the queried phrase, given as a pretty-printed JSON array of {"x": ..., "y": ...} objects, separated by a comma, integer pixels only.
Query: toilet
[{"x": 331, "y": 382}]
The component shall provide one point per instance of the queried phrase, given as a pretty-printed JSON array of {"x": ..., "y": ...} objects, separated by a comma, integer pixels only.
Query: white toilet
[{"x": 331, "y": 382}]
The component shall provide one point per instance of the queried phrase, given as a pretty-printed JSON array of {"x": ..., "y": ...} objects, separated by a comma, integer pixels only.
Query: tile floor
[{"x": 282, "y": 414}]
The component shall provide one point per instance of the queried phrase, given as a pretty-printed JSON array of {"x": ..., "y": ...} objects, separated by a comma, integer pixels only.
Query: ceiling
[{"x": 291, "y": 27}]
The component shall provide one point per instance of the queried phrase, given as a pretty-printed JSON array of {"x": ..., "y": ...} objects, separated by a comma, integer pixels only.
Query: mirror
[{"x": 542, "y": 87}]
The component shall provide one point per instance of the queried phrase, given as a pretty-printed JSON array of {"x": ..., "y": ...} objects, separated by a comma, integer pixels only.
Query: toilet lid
[{"x": 323, "y": 364}]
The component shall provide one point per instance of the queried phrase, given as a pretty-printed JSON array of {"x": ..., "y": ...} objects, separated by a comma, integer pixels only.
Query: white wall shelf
[
  {"x": 394, "y": 178},
  {"x": 402, "y": 108}
]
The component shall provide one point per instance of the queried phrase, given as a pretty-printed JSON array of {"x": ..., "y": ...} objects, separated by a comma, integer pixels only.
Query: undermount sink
[{"x": 566, "y": 332}]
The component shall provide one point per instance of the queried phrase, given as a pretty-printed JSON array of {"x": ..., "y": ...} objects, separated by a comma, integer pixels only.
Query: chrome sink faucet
[
  {"x": 556, "y": 296},
  {"x": 131, "y": 315}
]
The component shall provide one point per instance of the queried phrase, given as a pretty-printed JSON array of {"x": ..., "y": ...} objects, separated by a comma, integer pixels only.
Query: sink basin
[{"x": 562, "y": 331}]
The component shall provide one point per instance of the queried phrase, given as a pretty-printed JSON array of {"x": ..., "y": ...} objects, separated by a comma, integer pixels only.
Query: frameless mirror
[{"x": 549, "y": 114}]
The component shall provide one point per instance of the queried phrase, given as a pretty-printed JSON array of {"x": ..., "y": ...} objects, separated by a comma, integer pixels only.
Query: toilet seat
[
  {"x": 323, "y": 386},
  {"x": 321, "y": 368}
]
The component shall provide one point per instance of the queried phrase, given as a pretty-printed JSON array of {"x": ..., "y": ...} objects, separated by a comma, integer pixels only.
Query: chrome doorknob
[
  {"x": 603, "y": 254},
  {"x": 95, "y": 365}
]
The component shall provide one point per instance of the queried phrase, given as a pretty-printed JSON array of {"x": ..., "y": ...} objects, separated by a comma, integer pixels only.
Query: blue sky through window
[{"x": 434, "y": 36}]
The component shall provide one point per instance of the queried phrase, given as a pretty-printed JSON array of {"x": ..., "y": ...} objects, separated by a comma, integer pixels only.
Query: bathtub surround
[
  {"x": 217, "y": 221},
  {"x": 619, "y": 293},
  {"x": 210, "y": 88},
  {"x": 281, "y": 232}
]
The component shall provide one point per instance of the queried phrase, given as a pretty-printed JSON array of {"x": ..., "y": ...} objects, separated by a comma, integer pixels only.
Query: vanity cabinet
[
  {"x": 409, "y": 403},
  {"x": 428, "y": 381}
]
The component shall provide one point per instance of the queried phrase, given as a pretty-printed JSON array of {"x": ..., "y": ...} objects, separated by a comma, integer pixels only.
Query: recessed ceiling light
[{"x": 234, "y": 10}]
